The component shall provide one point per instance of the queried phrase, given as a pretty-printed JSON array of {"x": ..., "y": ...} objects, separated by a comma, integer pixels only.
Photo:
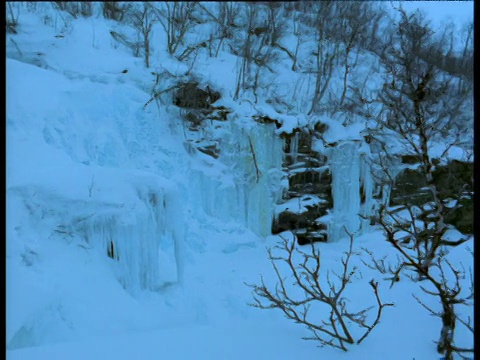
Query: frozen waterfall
[
  {"x": 352, "y": 190},
  {"x": 247, "y": 184},
  {"x": 142, "y": 239}
]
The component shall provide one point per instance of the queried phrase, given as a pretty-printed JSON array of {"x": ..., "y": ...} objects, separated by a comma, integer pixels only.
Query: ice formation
[
  {"x": 294, "y": 147},
  {"x": 351, "y": 177},
  {"x": 143, "y": 240},
  {"x": 248, "y": 187}
]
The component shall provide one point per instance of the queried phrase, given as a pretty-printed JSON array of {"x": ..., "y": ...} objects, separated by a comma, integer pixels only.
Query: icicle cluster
[
  {"x": 253, "y": 156},
  {"x": 143, "y": 240}
]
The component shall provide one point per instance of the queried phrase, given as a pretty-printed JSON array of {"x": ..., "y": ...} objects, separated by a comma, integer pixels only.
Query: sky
[{"x": 440, "y": 11}]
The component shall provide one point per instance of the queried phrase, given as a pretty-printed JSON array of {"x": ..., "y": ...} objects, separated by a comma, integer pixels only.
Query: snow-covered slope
[
  {"x": 123, "y": 241},
  {"x": 104, "y": 199}
]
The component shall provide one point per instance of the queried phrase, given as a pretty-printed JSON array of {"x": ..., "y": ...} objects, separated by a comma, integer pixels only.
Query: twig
[
  {"x": 254, "y": 159},
  {"x": 157, "y": 95}
]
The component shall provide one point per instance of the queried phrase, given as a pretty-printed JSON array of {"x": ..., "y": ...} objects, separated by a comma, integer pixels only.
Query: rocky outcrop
[
  {"x": 196, "y": 107},
  {"x": 308, "y": 196},
  {"x": 454, "y": 184},
  {"x": 190, "y": 96}
]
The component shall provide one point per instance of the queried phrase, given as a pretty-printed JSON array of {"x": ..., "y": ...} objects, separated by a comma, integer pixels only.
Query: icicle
[
  {"x": 144, "y": 239},
  {"x": 294, "y": 147},
  {"x": 386, "y": 195}
]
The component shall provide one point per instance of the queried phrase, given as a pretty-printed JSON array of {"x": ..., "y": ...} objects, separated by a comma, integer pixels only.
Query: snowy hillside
[{"x": 135, "y": 220}]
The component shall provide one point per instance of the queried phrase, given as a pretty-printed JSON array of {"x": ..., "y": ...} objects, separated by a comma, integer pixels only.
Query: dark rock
[
  {"x": 321, "y": 127},
  {"x": 462, "y": 216},
  {"x": 310, "y": 237},
  {"x": 311, "y": 188},
  {"x": 318, "y": 176},
  {"x": 307, "y": 176},
  {"x": 267, "y": 120},
  {"x": 193, "y": 117},
  {"x": 190, "y": 96},
  {"x": 210, "y": 150},
  {"x": 453, "y": 179},
  {"x": 407, "y": 189},
  {"x": 219, "y": 113},
  {"x": 288, "y": 220},
  {"x": 411, "y": 159}
]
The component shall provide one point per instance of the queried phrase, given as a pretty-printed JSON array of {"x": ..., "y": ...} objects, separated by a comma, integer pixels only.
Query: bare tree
[
  {"x": 421, "y": 104},
  {"x": 176, "y": 19},
  {"x": 141, "y": 17},
  {"x": 353, "y": 24},
  {"x": 135, "y": 46},
  {"x": 143, "y": 21},
  {"x": 437, "y": 275},
  {"x": 75, "y": 8},
  {"x": 11, "y": 18},
  {"x": 86, "y": 8},
  {"x": 275, "y": 23},
  {"x": 225, "y": 20},
  {"x": 297, "y": 45},
  {"x": 325, "y": 54},
  {"x": 336, "y": 329},
  {"x": 114, "y": 10},
  {"x": 252, "y": 46}
]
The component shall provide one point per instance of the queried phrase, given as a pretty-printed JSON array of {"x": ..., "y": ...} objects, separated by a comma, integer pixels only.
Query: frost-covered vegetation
[{"x": 162, "y": 156}]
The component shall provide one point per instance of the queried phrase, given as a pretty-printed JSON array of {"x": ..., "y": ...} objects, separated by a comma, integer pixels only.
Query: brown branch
[
  {"x": 379, "y": 311},
  {"x": 257, "y": 171},
  {"x": 305, "y": 275},
  {"x": 157, "y": 95}
]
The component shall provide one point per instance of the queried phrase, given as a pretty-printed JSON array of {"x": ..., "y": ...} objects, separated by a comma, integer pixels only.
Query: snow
[
  {"x": 123, "y": 241},
  {"x": 299, "y": 205},
  {"x": 442, "y": 152}
]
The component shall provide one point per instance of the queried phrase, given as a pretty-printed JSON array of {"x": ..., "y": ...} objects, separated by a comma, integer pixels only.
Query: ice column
[
  {"x": 345, "y": 169},
  {"x": 350, "y": 173},
  {"x": 294, "y": 147},
  {"x": 266, "y": 154}
]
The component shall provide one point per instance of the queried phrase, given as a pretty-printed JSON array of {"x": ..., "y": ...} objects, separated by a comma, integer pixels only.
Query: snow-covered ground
[{"x": 91, "y": 172}]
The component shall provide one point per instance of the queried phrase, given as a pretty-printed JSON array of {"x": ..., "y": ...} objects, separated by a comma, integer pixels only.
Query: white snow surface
[{"x": 89, "y": 169}]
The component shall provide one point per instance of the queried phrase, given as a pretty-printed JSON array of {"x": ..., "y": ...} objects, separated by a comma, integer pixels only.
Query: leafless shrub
[{"x": 336, "y": 328}]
